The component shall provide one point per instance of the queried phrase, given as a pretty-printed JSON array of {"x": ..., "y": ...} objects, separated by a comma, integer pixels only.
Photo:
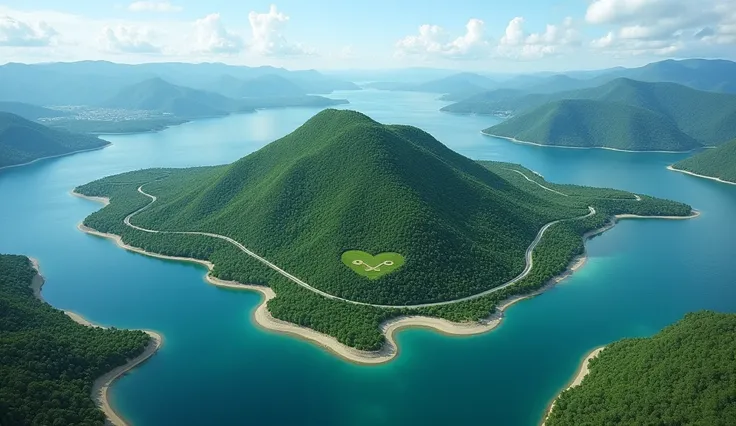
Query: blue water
[{"x": 218, "y": 368}]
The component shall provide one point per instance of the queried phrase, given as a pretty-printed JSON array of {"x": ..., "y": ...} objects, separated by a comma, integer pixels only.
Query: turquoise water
[{"x": 217, "y": 368}]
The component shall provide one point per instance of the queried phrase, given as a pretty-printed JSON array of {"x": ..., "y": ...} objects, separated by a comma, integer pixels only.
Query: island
[
  {"x": 684, "y": 374},
  {"x": 718, "y": 164},
  {"x": 23, "y": 141},
  {"x": 577, "y": 123},
  {"x": 56, "y": 366},
  {"x": 353, "y": 229}
]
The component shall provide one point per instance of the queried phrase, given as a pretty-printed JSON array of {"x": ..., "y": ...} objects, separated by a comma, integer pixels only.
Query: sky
[{"x": 472, "y": 35}]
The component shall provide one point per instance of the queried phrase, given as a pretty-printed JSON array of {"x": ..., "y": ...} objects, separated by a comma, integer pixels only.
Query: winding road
[{"x": 527, "y": 269}]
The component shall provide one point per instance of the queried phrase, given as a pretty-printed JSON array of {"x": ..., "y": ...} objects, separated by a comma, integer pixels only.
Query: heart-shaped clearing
[{"x": 372, "y": 267}]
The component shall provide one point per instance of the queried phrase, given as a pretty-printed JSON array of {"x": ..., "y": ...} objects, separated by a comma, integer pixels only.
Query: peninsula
[
  {"x": 682, "y": 375},
  {"x": 62, "y": 379},
  {"x": 718, "y": 164},
  {"x": 436, "y": 234}
]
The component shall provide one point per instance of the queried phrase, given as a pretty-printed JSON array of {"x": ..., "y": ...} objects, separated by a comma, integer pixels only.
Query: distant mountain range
[
  {"x": 23, "y": 141},
  {"x": 584, "y": 123},
  {"x": 31, "y": 112},
  {"x": 94, "y": 82},
  {"x": 718, "y": 163}
]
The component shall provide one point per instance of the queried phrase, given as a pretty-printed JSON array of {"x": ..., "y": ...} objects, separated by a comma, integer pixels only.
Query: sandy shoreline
[
  {"x": 102, "y": 384},
  {"x": 390, "y": 350},
  {"x": 670, "y": 167},
  {"x": 583, "y": 371},
  {"x": 56, "y": 156},
  {"x": 579, "y": 147}
]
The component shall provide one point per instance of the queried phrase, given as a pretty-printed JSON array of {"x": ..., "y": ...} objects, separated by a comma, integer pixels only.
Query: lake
[{"x": 218, "y": 368}]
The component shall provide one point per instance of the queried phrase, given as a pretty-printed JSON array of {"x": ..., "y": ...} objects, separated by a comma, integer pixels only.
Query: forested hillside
[
  {"x": 684, "y": 375},
  {"x": 49, "y": 362},
  {"x": 22, "y": 141},
  {"x": 589, "y": 124},
  {"x": 719, "y": 162},
  {"x": 30, "y": 112},
  {"x": 344, "y": 182}
]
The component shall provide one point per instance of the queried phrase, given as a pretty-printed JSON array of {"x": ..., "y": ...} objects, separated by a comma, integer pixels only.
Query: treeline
[
  {"x": 684, "y": 375},
  {"x": 48, "y": 361}
]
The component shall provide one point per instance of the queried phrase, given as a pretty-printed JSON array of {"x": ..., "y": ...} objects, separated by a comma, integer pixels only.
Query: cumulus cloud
[
  {"x": 128, "y": 39},
  {"x": 211, "y": 36},
  {"x": 434, "y": 40},
  {"x": 153, "y": 6},
  {"x": 556, "y": 39},
  {"x": 267, "y": 35},
  {"x": 16, "y": 33},
  {"x": 662, "y": 27}
]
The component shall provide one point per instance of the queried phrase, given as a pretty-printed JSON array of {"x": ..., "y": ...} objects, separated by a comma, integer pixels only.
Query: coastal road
[{"x": 527, "y": 269}]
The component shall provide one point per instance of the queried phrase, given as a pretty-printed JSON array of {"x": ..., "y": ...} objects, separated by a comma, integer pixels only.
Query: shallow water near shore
[{"x": 217, "y": 367}]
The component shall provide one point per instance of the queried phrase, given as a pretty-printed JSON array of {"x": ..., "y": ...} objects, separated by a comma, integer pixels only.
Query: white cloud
[
  {"x": 268, "y": 38},
  {"x": 211, "y": 36},
  {"x": 662, "y": 27},
  {"x": 16, "y": 33},
  {"x": 555, "y": 40},
  {"x": 128, "y": 39},
  {"x": 433, "y": 40},
  {"x": 153, "y": 6}
]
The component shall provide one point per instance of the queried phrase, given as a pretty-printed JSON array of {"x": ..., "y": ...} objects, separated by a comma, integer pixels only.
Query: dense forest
[
  {"x": 49, "y": 362},
  {"x": 344, "y": 182},
  {"x": 588, "y": 124},
  {"x": 684, "y": 375},
  {"x": 704, "y": 116},
  {"x": 719, "y": 162},
  {"x": 22, "y": 141}
]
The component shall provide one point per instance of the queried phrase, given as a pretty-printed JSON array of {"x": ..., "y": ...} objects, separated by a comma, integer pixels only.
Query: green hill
[
  {"x": 30, "y": 112},
  {"x": 594, "y": 124},
  {"x": 158, "y": 95},
  {"x": 718, "y": 163},
  {"x": 683, "y": 375},
  {"x": 708, "y": 117},
  {"x": 343, "y": 182},
  {"x": 23, "y": 141},
  {"x": 49, "y": 362}
]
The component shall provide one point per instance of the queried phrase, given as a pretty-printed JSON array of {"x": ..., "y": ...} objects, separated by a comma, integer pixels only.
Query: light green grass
[{"x": 372, "y": 267}]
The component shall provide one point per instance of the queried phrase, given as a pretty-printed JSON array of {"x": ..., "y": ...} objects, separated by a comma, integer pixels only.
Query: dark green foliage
[
  {"x": 343, "y": 181},
  {"x": 22, "y": 141},
  {"x": 30, "y": 112},
  {"x": 49, "y": 362},
  {"x": 586, "y": 123},
  {"x": 719, "y": 162},
  {"x": 684, "y": 375},
  {"x": 708, "y": 117}
]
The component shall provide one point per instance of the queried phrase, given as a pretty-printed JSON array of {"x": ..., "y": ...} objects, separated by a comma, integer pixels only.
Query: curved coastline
[
  {"x": 56, "y": 156},
  {"x": 102, "y": 384},
  {"x": 390, "y": 350},
  {"x": 578, "y": 147},
  {"x": 577, "y": 379},
  {"x": 672, "y": 168}
]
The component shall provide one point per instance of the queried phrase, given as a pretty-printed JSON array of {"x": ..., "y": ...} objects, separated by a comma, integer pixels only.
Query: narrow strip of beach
[
  {"x": 577, "y": 379},
  {"x": 102, "y": 384},
  {"x": 390, "y": 350},
  {"x": 508, "y": 138},
  {"x": 670, "y": 167}
]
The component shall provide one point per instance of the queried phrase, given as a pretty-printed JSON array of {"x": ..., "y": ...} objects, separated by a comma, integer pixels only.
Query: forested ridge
[
  {"x": 719, "y": 162},
  {"x": 49, "y": 362},
  {"x": 683, "y": 375},
  {"x": 22, "y": 141},
  {"x": 344, "y": 182}
]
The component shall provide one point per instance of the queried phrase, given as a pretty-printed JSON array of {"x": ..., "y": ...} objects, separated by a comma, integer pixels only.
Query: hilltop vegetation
[
  {"x": 584, "y": 123},
  {"x": 49, "y": 362},
  {"x": 345, "y": 182},
  {"x": 719, "y": 162},
  {"x": 684, "y": 375},
  {"x": 22, "y": 141}
]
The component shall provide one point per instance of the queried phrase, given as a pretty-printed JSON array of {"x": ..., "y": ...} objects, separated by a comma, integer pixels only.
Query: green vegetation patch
[
  {"x": 717, "y": 163},
  {"x": 372, "y": 267}
]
